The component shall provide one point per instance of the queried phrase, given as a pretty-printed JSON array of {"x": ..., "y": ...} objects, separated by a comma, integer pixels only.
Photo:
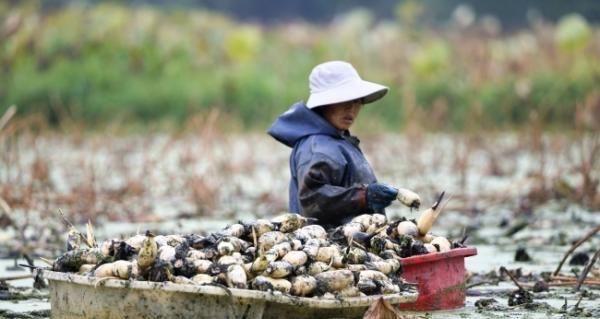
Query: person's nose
[{"x": 355, "y": 106}]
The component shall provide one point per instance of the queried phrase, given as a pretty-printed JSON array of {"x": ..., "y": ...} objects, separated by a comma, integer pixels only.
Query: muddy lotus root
[{"x": 286, "y": 254}]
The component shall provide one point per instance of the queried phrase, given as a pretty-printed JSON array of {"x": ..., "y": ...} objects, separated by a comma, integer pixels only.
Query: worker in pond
[{"x": 331, "y": 180}]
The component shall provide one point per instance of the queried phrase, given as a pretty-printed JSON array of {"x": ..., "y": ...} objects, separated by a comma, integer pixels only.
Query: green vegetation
[{"x": 104, "y": 63}]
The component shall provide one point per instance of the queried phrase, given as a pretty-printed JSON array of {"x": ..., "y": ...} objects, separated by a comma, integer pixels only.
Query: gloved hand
[
  {"x": 380, "y": 196},
  {"x": 409, "y": 198}
]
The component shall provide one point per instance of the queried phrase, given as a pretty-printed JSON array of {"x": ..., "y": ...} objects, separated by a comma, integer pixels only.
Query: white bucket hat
[{"x": 337, "y": 81}]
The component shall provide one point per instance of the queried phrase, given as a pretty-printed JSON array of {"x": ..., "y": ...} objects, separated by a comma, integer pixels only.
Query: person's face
[{"x": 342, "y": 115}]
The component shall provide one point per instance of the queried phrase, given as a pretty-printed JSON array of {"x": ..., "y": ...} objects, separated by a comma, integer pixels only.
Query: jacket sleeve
[{"x": 322, "y": 198}]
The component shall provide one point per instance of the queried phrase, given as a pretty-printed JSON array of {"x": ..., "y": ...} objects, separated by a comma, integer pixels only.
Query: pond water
[
  {"x": 191, "y": 184},
  {"x": 489, "y": 258}
]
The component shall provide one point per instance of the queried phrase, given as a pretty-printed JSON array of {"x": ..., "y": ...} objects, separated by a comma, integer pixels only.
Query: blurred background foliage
[{"x": 450, "y": 65}]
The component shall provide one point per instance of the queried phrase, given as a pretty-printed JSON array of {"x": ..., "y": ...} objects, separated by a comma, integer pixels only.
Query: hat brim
[{"x": 367, "y": 91}]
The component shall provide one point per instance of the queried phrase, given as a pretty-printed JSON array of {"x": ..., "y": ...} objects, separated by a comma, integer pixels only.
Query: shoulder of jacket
[
  {"x": 325, "y": 138},
  {"x": 320, "y": 142},
  {"x": 321, "y": 145}
]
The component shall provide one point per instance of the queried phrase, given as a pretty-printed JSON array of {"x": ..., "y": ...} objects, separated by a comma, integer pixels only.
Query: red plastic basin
[{"x": 441, "y": 279}]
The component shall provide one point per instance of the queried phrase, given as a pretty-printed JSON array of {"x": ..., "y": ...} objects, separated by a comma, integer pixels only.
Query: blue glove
[{"x": 380, "y": 196}]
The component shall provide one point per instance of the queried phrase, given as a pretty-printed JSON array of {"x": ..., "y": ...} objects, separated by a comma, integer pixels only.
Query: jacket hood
[{"x": 299, "y": 122}]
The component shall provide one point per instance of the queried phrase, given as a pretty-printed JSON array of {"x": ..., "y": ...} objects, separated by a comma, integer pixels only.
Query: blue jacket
[{"x": 329, "y": 172}]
